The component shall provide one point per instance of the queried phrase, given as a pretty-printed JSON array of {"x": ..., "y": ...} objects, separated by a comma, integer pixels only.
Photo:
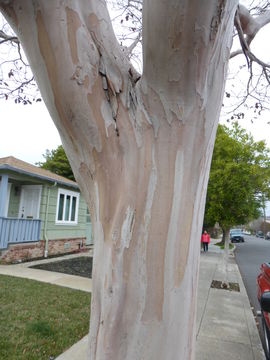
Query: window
[{"x": 67, "y": 207}]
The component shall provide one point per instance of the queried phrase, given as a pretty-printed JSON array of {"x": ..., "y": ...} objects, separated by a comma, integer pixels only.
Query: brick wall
[{"x": 22, "y": 252}]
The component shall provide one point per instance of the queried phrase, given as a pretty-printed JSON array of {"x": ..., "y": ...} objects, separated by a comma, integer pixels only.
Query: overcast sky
[{"x": 26, "y": 131}]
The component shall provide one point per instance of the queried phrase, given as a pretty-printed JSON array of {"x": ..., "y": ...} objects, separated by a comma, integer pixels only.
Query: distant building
[{"x": 41, "y": 213}]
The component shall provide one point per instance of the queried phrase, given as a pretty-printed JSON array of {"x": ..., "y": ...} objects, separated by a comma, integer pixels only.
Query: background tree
[
  {"x": 140, "y": 146},
  {"x": 57, "y": 162},
  {"x": 239, "y": 175}
]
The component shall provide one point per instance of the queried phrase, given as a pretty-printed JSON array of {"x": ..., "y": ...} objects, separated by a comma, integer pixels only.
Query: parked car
[
  {"x": 259, "y": 234},
  {"x": 236, "y": 235},
  {"x": 263, "y": 294},
  {"x": 267, "y": 235}
]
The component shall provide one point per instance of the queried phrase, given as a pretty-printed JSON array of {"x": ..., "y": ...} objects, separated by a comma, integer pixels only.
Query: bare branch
[
  {"x": 250, "y": 25},
  {"x": 266, "y": 75},
  {"x": 16, "y": 79},
  {"x": 129, "y": 49},
  {"x": 7, "y": 37},
  {"x": 235, "y": 53},
  {"x": 245, "y": 45}
]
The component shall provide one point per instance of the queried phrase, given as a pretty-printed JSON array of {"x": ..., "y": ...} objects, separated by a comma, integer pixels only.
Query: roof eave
[{"x": 37, "y": 176}]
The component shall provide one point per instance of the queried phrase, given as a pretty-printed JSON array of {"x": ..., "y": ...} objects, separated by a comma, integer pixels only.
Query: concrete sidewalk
[{"x": 226, "y": 327}]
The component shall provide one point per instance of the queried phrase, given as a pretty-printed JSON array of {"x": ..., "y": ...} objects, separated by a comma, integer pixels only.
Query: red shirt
[{"x": 205, "y": 238}]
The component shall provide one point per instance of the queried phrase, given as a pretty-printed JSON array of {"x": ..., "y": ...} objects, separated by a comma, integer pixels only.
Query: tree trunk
[
  {"x": 140, "y": 149},
  {"x": 225, "y": 258},
  {"x": 223, "y": 236}
]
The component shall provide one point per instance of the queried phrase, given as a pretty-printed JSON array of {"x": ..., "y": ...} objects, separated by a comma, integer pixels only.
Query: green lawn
[{"x": 39, "y": 320}]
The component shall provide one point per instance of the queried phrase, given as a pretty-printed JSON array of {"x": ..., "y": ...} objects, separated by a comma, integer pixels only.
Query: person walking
[{"x": 205, "y": 240}]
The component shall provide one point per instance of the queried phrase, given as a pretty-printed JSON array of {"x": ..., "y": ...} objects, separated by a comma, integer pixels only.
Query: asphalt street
[{"x": 249, "y": 257}]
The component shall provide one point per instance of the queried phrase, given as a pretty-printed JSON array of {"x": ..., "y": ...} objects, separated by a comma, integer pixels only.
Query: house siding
[{"x": 59, "y": 231}]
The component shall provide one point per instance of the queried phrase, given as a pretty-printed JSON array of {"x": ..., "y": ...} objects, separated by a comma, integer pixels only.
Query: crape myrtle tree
[{"x": 140, "y": 147}]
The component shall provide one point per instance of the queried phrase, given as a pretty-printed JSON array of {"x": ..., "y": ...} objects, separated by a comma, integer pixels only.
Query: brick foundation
[{"x": 26, "y": 251}]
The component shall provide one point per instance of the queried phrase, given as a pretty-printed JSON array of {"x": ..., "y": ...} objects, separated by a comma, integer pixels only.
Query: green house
[{"x": 41, "y": 213}]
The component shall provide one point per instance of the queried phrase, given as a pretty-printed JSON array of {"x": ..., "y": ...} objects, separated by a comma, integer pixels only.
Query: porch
[
  {"x": 18, "y": 231},
  {"x": 19, "y": 211}
]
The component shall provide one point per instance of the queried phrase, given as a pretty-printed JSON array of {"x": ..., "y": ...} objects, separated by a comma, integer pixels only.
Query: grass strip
[{"x": 221, "y": 245}]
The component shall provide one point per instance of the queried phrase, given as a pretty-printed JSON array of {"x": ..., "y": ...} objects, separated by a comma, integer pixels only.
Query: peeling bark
[{"x": 140, "y": 149}]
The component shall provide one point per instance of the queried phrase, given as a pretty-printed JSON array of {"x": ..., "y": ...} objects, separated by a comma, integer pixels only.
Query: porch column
[{"x": 3, "y": 194}]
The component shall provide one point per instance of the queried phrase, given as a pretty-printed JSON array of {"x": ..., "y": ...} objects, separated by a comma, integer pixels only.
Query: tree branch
[
  {"x": 129, "y": 49},
  {"x": 7, "y": 37},
  {"x": 235, "y": 53},
  {"x": 249, "y": 25},
  {"x": 244, "y": 43}
]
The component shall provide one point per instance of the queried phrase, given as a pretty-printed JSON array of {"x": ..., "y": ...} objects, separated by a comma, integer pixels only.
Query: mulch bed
[
  {"x": 80, "y": 266},
  {"x": 216, "y": 284}
]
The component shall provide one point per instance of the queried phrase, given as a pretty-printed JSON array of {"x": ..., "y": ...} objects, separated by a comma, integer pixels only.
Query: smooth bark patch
[
  {"x": 73, "y": 24},
  {"x": 216, "y": 284}
]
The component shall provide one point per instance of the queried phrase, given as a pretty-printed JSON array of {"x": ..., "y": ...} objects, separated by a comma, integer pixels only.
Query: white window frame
[{"x": 71, "y": 194}]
